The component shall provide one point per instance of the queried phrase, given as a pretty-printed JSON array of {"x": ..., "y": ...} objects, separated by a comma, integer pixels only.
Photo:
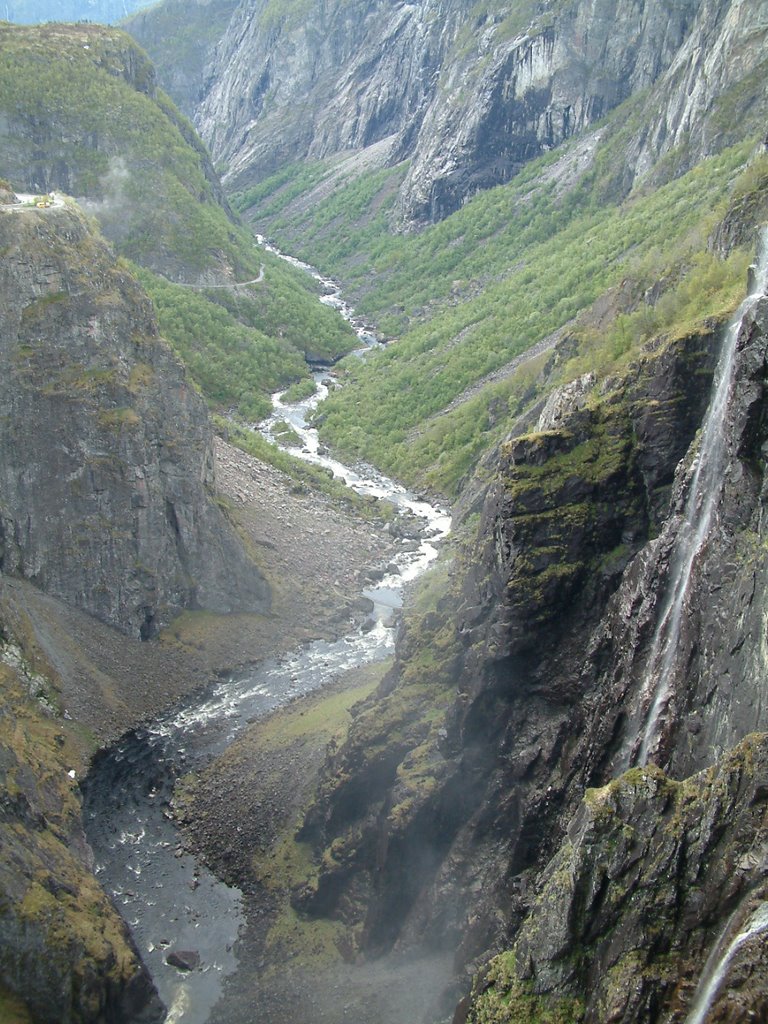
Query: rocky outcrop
[
  {"x": 711, "y": 696},
  {"x": 470, "y": 95},
  {"x": 63, "y": 948},
  {"x": 108, "y": 489},
  {"x": 345, "y": 76},
  {"x": 540, "y": 81},
  {"x": 651, "y": 897}
]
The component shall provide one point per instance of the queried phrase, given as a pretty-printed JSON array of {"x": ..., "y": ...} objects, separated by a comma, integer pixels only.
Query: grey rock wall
[
  {"x": 107, "y": 493},
  {"x": 469, "y": 96}
]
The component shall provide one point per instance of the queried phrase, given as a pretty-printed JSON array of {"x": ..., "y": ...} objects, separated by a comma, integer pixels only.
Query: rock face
[
  {"x": 106, "y": 454},
  {"x": 63, "y": 948},
  {"x": 525, "y": 686},
  {"x": 657, "y": 885},
  {"x": 470, "y": 94},
  {"x": 345, "y": 77},
  {"x": 180, "y": 38}
]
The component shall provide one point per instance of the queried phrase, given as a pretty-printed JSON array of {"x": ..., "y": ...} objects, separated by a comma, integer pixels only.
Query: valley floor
[
  {"x": 315, "y": 555},
  {"x": 242, "y": 815}
]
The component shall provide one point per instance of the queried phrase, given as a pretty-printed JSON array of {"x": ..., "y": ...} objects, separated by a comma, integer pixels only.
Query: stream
[{"x": 172, "y": 903}]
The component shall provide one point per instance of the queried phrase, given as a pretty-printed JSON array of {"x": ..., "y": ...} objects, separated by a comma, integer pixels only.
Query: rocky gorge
[{"x": 549, "y": 806}]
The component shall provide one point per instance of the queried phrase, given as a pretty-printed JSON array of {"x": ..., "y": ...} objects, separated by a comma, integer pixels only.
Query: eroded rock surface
[
  {"x": 106, "y": 458},
  {"x": 469, "y": 95},
  {"x": 653, "y": 876}
]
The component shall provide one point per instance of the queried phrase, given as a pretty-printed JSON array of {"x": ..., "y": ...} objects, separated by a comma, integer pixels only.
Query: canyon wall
[
  {"x": 440, "y": 819},
  {"x": 108, "y": 489},
  {"x": 469, "y": 96}
]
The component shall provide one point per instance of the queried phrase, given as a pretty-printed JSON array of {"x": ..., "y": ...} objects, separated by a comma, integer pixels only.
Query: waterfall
[
  {"x": 703, "y": 493},
  {"x": 719, "y": 961}
]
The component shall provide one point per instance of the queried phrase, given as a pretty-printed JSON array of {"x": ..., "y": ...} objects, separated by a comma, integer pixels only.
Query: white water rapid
[
  {"x": 719, "y": 961},
  {"x": 170, "y": 901},
  {"x": 698, "y": 515}
]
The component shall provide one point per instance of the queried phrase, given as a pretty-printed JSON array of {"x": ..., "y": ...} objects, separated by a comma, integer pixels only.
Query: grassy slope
[
  {"x": 466, "y": 296},
  {"x": 242, "y": 344},
  {"x": 81, "y": 107}
]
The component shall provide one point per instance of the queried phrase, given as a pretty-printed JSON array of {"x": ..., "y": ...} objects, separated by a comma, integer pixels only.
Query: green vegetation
[
  {"x": 549, "y": 251},
  {"x": 300, "y": 390},
  {"x": 284, "y": 304},
  {"x": 242, "y": 343},
  {"x": 514, "y": 265},
  {"x": 235, "y": 365},
  {"x": 274, "y": 193},
  {"x": 54, "y": 901},
  {"x": 123, "y": 145},
  {"x": 284, "y": 433},
  {"x": 505, "y": 999},
  {"x": 13, "y": 1010}
]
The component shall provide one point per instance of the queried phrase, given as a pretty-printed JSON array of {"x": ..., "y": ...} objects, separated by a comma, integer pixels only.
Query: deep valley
[{"x": 383, "y": 591}]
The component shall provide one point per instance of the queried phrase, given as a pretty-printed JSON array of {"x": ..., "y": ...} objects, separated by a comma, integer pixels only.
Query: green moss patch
[{"x": 503, "y": 999}]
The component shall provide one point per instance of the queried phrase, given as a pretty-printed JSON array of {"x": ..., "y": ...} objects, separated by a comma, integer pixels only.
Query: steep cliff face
[
  {"x": 63, "y": 948},
  {"x": 658, "y": 889},
  {"x": 526, "y": 685},
  {"x": 470, "y": 95},
  {"x": 286, "y": 86},
  {"x": 106, "y": 455},
  {"x": 567, "y": 508},
  {"x": 566, "y": 71}
]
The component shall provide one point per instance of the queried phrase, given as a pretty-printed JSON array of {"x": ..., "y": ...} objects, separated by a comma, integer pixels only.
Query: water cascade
[
  {"x": 697, "y": 519},
  {"x": 719, "y": 962}
]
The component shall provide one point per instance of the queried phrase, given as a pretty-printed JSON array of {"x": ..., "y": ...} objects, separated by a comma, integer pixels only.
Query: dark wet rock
[
  {"x": 183, "y": 959},
  {"x": 653, "y": 876}
]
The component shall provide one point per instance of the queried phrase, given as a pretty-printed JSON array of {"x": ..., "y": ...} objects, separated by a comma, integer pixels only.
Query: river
[{"x": 172, "y": 903}]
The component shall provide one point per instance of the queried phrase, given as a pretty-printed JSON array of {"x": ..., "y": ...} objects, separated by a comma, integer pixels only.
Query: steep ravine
[
  {"x": 120, "y": 511},
  {"x": 512, "y": 696},
  {"x": 178, "y": 911}
]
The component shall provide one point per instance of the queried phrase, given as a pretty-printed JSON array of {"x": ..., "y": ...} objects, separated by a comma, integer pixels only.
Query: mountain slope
[
  {"x": 180, "y": 38},
  {"x": 471, "y": 94},
  {"x": 81, "y": 114},
  {"x": 466, "y": 298}
]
